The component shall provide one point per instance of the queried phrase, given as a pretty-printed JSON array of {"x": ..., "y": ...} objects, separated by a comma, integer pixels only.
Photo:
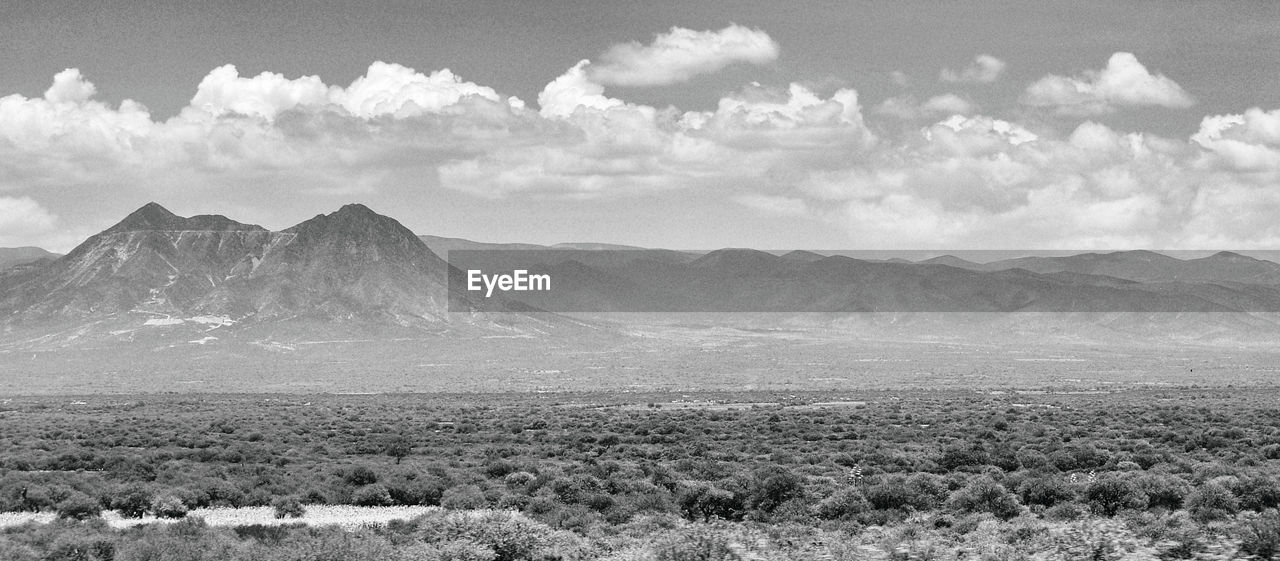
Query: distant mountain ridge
[
  {"x": 1139, "y": 265},
  {"x": 352, "y": 264},
  {"x": 155, "y": 270},
  {"x": 14, "y": 256}
]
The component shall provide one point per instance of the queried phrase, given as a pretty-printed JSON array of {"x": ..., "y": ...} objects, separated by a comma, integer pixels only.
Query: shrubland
[{"x": 1138, "y": 473}]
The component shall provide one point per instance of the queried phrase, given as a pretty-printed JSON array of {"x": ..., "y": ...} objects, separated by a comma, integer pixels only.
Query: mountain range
[{"x": 355, "y": 269}]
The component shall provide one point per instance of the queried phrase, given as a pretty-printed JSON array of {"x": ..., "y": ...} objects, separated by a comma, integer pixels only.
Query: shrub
[
  {"x": 131, "y": 501},
  {"x": 287, "y": 507},
  {"x": 1262, "y": 536},
  {"x": 1162, "y": 491},
  {"x": 963, "y": 456},
  {"x": 463, "y": 497},
  {"x": 773, "y": 486},
  {"x": 78, "y": 506},
  {"x": 371, "y": 495},
  {"x": 1044, "y": 490},
  {"x": 359, "y": 476},
  {"x": 519, "y": 479},
  {"x": 509, "y": 535},
  {"x": 842, "y": 504},
  {"x": 1211, "y": 501},
  {"x": 706, "y": 502},
  {"x": 1258, "y": 493},
  {"x": 1110, "y": 495},
  {"x": 1066, "y": 512},
  {"x": 417, "y": 491},
  {"x": 168, "y": 506},
  {"x": 14, "y": 551},
  {"x": 698, "y": 544},
  {"x": 983, "y": 494}
]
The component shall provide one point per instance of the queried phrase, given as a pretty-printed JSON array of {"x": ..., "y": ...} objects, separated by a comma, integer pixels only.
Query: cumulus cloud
[
  {"x": 984, "y": 69},
  {"x": 1125, "y": 82},
  {"x": 680, "y": 54},
  {"x": 385, "y": 89},
  {"x": 955, "y": 178}
]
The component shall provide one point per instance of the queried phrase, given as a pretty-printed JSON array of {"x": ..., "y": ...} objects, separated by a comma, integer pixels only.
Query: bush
[
  {"x": 1044, "y": 490},
  {"x": 509, "y": 535},
  {"x": 463, "y": 497},
  {"x": 1262, "y": 536},
  {"x": 706, "y": 502},
  {"x": 168, "y": 506},
  {"x": 983, "y": 494},
  {"x": 1258, "y": 493},
  {"x": 359, "y": 476},
  {"x": 371, "y": 495},
  {"x": 1212, "y": 501},
  {"x": 78, "y": 506},
  {"x": 773, "y": 486},
  {"x": 1110, "y": 495},
  {"x": 1163, "y": 491},
  {"x": 843, "y": 504},
  {"x": 698, "y": 544},
  {"x": 287, "y": 507},
  {"x": 131, "y": 501}
]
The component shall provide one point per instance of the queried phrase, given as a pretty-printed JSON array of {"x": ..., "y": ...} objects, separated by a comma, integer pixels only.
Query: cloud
[
  {"x": 23, "y": 221},
  {"x": 680, "y": 54},
  {"x": 984, "y": 69},
  {"x": 571, "y": 90},
  {"x": 69, "y": 87},
  {"x": 385, "y": 89},
  {"x": 1125, "y": 82},
  {"x": 951, "y": 177},
  {"x": 907, "y": 109}
]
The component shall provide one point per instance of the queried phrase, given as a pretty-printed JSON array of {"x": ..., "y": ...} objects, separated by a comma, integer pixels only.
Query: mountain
[
  {"x": 353, "y": 270},
  {"x": 1139, "y": 265},
  {"x": 442, "y": 246},
  {"x": 14, "y": 256},
  {"x": 155, "y": 268},
  {"x": 745, "y": 280},
  {"x": 805, "y": 256}
]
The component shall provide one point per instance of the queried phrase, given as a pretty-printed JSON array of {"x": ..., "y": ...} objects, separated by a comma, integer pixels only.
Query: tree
[{"x": 399, "y": 448}]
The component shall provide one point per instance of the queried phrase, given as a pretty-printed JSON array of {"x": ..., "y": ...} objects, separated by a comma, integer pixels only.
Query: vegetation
[{"x": 1168, "y": 473}]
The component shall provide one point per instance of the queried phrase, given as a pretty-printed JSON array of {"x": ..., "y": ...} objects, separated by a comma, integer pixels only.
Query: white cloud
[
  {"x": 908, "y": 109},
  {"x": 23, "y": 221},
  {"x": 984, "y": 69},
  {"x": 385, "y": 89},
  {"x": 1125, "y": 82},
  {"x": 571, "y": 90},
  {"x": 960, "y": 179},
  {"x": 69, "y": 87},
  {"x": 680, "y": 54}
]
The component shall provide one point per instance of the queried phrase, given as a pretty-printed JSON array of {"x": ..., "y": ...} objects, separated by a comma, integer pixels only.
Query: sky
[{"x": 692, "y": 125}]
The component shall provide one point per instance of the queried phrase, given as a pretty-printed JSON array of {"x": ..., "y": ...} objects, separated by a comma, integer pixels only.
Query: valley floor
[{"x": 1156, "y": 472}]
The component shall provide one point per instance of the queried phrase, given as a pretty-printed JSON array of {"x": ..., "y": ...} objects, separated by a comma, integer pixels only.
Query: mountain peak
[
  {"x": 354, "y": 221},
  {"x": 150, "y": 216},
  {"x": 153, "y": 217},
  {"x": 1231, "y": 256}
]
